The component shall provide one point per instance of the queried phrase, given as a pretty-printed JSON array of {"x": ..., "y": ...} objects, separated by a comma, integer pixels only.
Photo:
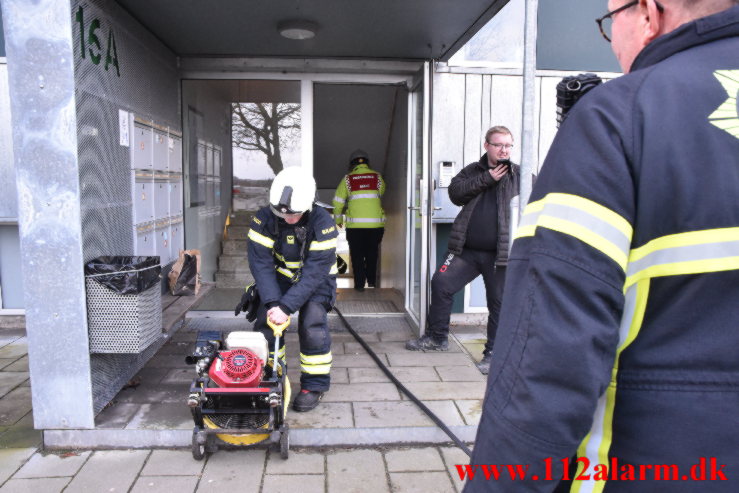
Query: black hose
[{"x": 403, "y": 388}]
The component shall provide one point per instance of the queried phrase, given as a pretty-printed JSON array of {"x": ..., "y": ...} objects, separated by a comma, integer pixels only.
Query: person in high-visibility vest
[{"x": 358, "y": 199}]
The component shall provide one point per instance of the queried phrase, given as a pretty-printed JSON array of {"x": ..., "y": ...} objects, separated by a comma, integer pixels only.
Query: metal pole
[{"x": 529, "y": 146}]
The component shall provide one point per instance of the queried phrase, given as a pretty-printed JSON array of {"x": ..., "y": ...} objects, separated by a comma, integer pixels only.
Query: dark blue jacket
[
  {"x": 619, "y": 329},
  {"x": 274, "y": 250}
]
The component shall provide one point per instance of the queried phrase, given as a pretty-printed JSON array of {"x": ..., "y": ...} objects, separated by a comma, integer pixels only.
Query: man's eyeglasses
[
  {"x": 606, "y": 22},
  {"x": 501, "y": 146}
]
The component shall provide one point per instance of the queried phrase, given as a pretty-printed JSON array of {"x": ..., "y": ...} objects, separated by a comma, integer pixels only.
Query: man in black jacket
[{"x": 478, "y": 243}]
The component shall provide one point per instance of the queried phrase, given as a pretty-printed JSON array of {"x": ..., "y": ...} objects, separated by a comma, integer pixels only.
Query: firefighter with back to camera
[
  {"x": 292, "y": 256},
  {"x": 618, "y": 332},
  {"x": 358, "y": 197}
]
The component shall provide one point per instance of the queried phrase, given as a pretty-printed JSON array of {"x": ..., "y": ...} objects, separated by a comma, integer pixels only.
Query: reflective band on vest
[
  {"x": 260, "y": 239},
  {"x": 365, "y": 196},
  {"x": 588, "y": 221},
  {"x": 364, "y": 220},
  {"x": 339, "y": 199}
]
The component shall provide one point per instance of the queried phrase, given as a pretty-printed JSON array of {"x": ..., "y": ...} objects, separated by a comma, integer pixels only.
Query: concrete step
[
  {"x": 231, "y": 247},
  {"x": 238, "y": 232},
  {"x": 229, "y": 263},
  {"x": 233, "y": 280},
  {"x": 241, "y": 218}
]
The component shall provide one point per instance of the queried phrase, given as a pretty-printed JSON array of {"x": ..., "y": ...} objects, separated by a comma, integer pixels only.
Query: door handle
[{"x": 411, "y": 208}]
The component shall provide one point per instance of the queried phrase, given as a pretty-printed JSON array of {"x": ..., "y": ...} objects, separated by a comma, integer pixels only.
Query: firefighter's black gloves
[{"x": 249, "y": 303}]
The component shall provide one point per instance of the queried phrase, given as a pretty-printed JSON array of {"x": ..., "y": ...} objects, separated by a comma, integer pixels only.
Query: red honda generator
[{"x": 240, "y": 396}]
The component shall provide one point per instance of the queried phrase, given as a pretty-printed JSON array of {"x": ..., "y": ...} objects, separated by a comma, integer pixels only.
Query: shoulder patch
[
  {"x": 256, "y": 220},
  {"x": 328, "y": 230}
]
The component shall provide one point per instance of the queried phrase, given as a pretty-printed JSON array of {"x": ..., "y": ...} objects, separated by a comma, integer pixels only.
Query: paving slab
[
  {"x": 453, "y": 456},
  {"x": 179, "y": 376},
  {"x": 52, "y": 465},
  {"x": 44, "y": 485},
  {"x": 21, "y": 434},
  {"x": 178, "y": 348},
  {"x": 347, "y": 337},
  {"x": 20, "y": 364},
  {"x": 420, "y": 482},
  {"x": 153, "y": 393},
  {"x": 435, "y": 358},
  {"x": 11, "y": 459},
  {"x": 342, "y": 392},
  {"x": 300, "y": 462},
  {"x": 460, "y": 373},
  {"x": 447, "y": 390},
  {"x": 404, "y": 374},
  {"x": 168, "y": 361},
  {"x": 165, "y": 484},
  {"x": 326, "y": 415},
  {"x": 109, "y": 470},
  {"x": 403, "y": 414},
  {"x": 399, "y": 334},
  {"x": 10, "y": 380},
  {"x": 357, "y": 360},
  {"x": 297, "y": 483},
  {"x": 6, "y": 361},
  {"x": 116, "y": 416},
  {"x": 339, "y": 375},
  {"x": 14, "y": 405},
  {"x": 152, "y": 375},
  {"x": 414, "y": 459},
  {"x": 471, "y": 410},
  {"x": 172, "y": 463},
  {"x": 165, "y": 416},
  {"x": 356, "y": 471},
  {"x": 386, "y": 348},
  {"x": 15, "y": 349},
  {"x": 233, "y": 470}
]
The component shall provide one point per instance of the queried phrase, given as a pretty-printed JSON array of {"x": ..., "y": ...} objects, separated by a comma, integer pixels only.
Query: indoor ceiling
[{"x": 365, "y": 29}]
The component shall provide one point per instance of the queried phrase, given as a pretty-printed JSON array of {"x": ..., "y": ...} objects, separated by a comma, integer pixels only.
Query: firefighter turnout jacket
[
  {"x": 294, "y": 267},
  {"x": 619, "y": 333},
  {"x": 358, "y": 198}
]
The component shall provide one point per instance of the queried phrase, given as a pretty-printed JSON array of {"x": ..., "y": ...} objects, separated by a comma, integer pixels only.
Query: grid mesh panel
[
  {"x": 122, "y": 323},
  {"x": 148, "y": 86}
]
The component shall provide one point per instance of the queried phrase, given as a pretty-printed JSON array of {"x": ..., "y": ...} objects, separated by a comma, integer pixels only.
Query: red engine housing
[{"x": 237, "y": 368}]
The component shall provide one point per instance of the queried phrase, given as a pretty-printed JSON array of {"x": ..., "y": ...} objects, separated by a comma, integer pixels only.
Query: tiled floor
[{"x": 361, "y": 395}]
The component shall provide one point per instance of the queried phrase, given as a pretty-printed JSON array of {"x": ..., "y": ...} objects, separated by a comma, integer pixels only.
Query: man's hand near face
[{"x": 498, "y": 172}]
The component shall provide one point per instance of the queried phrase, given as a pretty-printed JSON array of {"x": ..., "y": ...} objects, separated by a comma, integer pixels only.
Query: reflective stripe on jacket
[{"x": 358, "y": 198}]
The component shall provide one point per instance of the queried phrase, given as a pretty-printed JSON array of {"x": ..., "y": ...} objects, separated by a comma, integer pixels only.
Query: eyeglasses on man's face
[
  {"x": 605, "y": 23},
  {"x": 501, "y": 146}
]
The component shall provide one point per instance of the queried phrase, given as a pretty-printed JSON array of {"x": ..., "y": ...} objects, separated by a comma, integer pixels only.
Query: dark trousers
[
  {"x": 364, "y": 246},
  {"x": 315, "y": 340},
  {"x": 452, "y": 276}
]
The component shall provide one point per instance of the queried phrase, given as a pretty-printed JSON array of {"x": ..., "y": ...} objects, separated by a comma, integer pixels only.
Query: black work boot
[
  {"x": 484, "y": 364},
  {"x": 426, "y": 343},
  {"x": 307, "y": 400}
]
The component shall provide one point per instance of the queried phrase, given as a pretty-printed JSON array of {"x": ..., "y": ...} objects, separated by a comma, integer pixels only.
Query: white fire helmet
[{"x": 292, "y": 192}]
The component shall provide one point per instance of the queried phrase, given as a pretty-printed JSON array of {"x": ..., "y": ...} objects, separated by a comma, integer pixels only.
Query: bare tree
[{"x": 266, "y": 127}]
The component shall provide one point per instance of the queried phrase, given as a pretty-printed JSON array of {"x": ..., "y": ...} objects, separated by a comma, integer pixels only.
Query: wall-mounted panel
[
  {"x": 143, "y": 196},
  {"x": 160, "y": 151},
  {"x": 141, "y": 151}
]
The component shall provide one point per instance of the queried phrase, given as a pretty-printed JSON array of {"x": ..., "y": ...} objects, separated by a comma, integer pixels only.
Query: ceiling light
[{"x": 297, "y": 29}]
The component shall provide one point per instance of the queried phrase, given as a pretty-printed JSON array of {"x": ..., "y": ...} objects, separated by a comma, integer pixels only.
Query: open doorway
[{"x": 374, "y": 118}]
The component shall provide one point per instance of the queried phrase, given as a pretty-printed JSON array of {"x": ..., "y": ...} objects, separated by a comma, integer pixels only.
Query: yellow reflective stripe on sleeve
[
  {"x": 323, "y": 245},
  {"x": 581, "y": 218},
  {"x": 597, "y": 443},
  {"x": 261, "y": 239},
  {"x": 289, "y": 265},
  {"x": 284, "y": 272},
  {"x": 694, "y": 252},
  {"x": 318, "y": 364}
]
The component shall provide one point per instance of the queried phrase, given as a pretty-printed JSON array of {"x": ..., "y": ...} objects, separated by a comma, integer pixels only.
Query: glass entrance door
[{"x": 418, "y": 219}]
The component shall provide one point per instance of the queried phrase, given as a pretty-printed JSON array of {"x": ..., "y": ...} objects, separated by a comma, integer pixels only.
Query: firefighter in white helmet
[{"x": 292, "y": 256}]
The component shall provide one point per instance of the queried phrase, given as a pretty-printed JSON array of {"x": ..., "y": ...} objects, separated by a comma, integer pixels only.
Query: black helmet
[{"x": 358, "y": 157}]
